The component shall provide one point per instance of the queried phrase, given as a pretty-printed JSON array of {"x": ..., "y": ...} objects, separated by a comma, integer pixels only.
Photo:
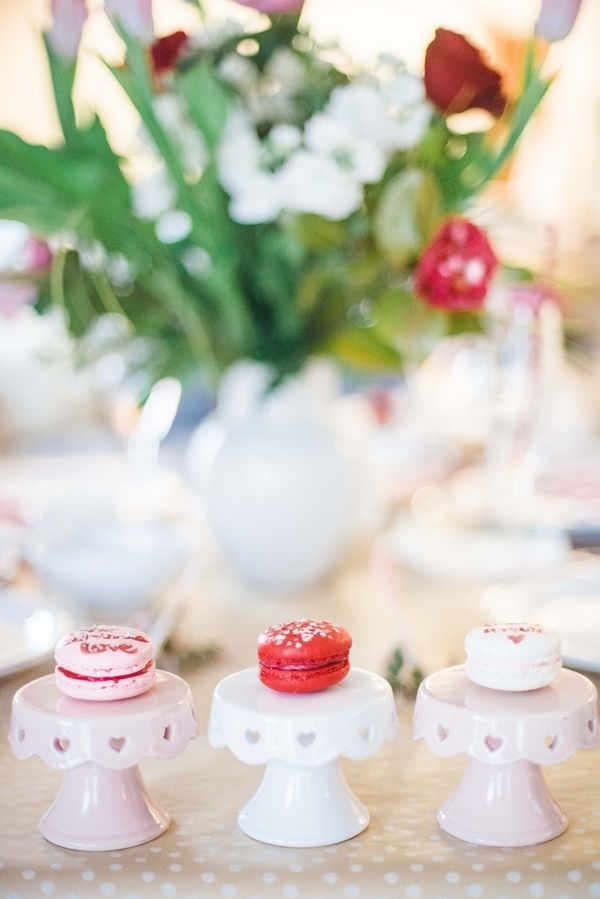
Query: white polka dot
[
  {"x": 351, "y": 890},
  {"x": 115, "y": 867},
  {"x": 229, "y": 890},
  {"x": 356, "y": 869},
  {"x": 330, "y": 877},
  {"x": 12, "y": 895},
  {"x": 56, "y": 866},
  {"x": 378, "y": 858},
  {"x": 291, "y": 891},
  {"x": 47, "y": 887},
  {"x": 513, "y": 876},
  {"x": 140, "y": 859},
  {"x": 574, "y": 876},
  {"x": 477, "y": 866},
  {"x": 148, "y": 876},
  {"x": 107, "y": 888},
  {"x": 269, "y": 877},
  {"x": 391, "y": 877},
  {"x": 595, "y": 888},
  {"x": 209, "y": 877},
  {"x": 452, "y": 876},
  {"x": 28, "y": 874},
  {"x": 168, "y": 889},
  {"x": 536, "y": 890},
  {"x": 538, "y": 866},
  {"x": 596, "y": 864},
  {"x": 174, "y": 854},
  {"x": 175, "y": 868},
  {"x": 155, "y": 848},
  {"x": 87, "y": 876},
  {"x": 413, "y": 891},
  {"x": 235, "y": 868},
  {"x": 474, "y": 891},
  {"x": 295, "y": 868}
]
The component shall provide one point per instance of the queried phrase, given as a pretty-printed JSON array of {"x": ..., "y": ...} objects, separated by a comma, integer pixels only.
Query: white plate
[
  {"x": 29, "y": 630},
  {"x": 569, "y": 603}
]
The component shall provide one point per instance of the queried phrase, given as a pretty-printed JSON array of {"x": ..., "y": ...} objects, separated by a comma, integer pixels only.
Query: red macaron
[{"x": 303, "y": 656}]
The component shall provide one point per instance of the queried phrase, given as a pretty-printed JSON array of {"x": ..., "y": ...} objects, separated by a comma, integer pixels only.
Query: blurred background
[{"x": 469, "y": 480}]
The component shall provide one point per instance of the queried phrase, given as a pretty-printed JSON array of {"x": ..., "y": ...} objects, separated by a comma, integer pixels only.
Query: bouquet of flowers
[{"x": 280, "y": 203}]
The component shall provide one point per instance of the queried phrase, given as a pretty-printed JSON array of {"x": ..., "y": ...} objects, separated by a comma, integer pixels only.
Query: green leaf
[
  {"x": 207, "y": 100},
  {"x": 362, "y": 349},
  {"x": 406, "y": 215},
  {"x": 62, "y": 73},
  {"x": 317, "y": 233}
]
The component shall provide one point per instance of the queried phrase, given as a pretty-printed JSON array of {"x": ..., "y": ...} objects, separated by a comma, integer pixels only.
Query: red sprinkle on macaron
[{"x": 303, "y": 656}]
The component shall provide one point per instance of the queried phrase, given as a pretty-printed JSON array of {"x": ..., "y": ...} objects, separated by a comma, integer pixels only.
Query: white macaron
[{"x": 515, "y": 657}]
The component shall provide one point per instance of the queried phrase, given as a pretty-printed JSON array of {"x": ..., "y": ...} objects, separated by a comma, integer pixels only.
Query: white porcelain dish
[{"x": 29, "y": 630}]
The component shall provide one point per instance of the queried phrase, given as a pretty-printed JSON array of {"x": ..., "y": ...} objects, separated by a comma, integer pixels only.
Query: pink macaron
[{"x": 104, "y": 663}]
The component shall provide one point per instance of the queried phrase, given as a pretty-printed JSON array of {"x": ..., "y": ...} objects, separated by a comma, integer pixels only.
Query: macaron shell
[
  {"x": 105, "y": 691},
  {"x": 309, "y": 680},
  {"x": 495, "y": 679},
  {"x": 305, "y": 640}
]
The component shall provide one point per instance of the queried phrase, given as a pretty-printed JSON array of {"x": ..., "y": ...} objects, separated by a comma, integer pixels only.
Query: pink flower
[
  {"x": 134, "y": 16},
  {"x": 14, "y": 295},
  {"x": 68, "y": 19},
  {"x": 556, "y": 19},
  {"x": 456, "y": 267},
  {"x": 274, "y": 7},
  {"x": 458, "y": 78}
]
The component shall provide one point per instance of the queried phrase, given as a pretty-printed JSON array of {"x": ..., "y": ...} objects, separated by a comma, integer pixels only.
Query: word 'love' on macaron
[
  {"x": 303, "y": 656},
  {"x": 514, "y": 657},
  {"x": 104, "y": 663}
]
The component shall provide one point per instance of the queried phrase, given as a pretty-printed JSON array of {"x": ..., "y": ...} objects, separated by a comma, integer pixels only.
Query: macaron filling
[{"x": 112, "y": 677}]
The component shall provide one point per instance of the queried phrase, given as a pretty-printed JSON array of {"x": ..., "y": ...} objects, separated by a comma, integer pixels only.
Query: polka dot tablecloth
[{"x": 402, "y": 855}]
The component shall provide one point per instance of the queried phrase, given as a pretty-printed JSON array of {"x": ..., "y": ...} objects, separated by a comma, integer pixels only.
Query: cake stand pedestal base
[
  {"x": 303, "y": 807},
  {"x": 91, "y": 795},
  {"x": 502, "y": 805}
]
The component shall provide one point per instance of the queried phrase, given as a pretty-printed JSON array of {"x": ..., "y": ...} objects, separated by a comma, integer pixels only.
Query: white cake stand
[
  {"x": 103, "y": 802},
  {"x": 304, "y": 799}
]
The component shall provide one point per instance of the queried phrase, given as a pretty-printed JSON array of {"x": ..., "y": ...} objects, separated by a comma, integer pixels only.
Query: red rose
[
  {"x": 456, "y": 267},
  {"x": 457, "y": 77},
  {"x": 165, "y": 51}
]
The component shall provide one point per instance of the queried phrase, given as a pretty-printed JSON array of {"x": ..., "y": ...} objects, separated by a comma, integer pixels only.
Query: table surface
[{"x": 402, "y": 855}]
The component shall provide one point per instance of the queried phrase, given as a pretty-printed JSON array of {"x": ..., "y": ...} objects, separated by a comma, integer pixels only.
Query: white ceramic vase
[{"x": 279, "y": 487}]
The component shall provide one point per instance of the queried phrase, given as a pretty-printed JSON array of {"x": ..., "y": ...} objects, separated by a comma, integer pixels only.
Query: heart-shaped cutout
[
  {"x": 591, "y": 725},
  {"x": 116, "y": 743},
  {"x": 551, "y": 741},
  {"x": 20, "y": 735},
  {"x": 366, "y": 732},
  {"x": 516, "y": 639},
  {"x": 252, "y": 736},
  {"x": 168, "y": 733},
  {"x": 61, "y": 745},
  {"x": 307, "y": 740},
  {"x": 442, "y": 733},
  {"x": 493, "y": 743}
]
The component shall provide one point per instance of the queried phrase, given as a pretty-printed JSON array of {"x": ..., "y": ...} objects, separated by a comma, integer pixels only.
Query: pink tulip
[
  {"x": 274, "y": 7},
  {"x": 134, "y": 16},
  {"x": 556, "y": 19},
  {"x": 68, "y": 19}
]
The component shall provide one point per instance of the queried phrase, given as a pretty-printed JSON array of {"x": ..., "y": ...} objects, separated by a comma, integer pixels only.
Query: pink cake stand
[
  {"x": 103, "y": 802},
  {"x": 503, "y": 799}
]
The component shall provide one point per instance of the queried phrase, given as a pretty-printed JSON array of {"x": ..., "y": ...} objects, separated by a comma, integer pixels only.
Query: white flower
[
  {"x": 154, "y": 195},
  {"x": 287, "y": 70},
  {"x": 197, "y": 261},
  {"x": 13, "y": 240},
  {"x": 363, "y": 108},
  {"x": 331, "y": 137},
  {"x": 173, "y": 226},
  {"x": 284, "y": 139},
  {"x": 172, "y": 115},
  {"x": 393, "y": 116},
  {"x": 317, "y": 184},
  {"x": 409, "y": 109},
  {"x": 258, "y": 199},
  {"x": 239, "y": 71},
  {"x": 239, "y": 153}
]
